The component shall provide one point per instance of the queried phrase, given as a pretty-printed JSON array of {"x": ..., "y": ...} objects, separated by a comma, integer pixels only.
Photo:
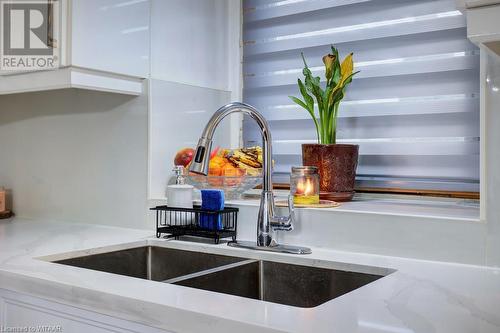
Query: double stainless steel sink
[{"x": 283, "y": 283}]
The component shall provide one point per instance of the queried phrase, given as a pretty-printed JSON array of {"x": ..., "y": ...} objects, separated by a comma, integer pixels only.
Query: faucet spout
[
  {"x": 267, "y": 221},
  {"x": 202, "y": 156}
]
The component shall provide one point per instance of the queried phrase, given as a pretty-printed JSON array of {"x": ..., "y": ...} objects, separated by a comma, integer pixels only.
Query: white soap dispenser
[{"x": 180, "y": 194}]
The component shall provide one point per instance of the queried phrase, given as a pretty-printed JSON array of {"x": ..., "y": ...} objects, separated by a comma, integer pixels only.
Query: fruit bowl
[
  {"x": 233, "y": 186},
  {"x": 232, "y": 170}
]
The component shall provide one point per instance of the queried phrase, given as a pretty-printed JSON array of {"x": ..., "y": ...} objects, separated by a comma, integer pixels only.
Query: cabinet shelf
[{"x": 70, "y": 77}]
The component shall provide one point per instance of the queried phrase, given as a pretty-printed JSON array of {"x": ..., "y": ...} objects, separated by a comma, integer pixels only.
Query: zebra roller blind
[{"x": 413, "y": 108}]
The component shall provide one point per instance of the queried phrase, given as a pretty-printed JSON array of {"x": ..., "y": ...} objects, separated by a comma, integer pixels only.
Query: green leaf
[
  {"x": 334, "y": 97},
  {"x": 299, "y": 102},
  {"x": 311, "y": 83},
  {"x": 327, "y": 93},
  {"x": 339, "y": 97},
  {"x": 311, "y": 113},
  {"x": 337, "y": 74},
  {"x": 308, "y": 83},
  {"x": 306, "y": 71},
  {"x": 317, "y": 91},
  {"x": 304, "y": 60},
  {"x": 336, "y": 68},
  {"x": 316, "y": 81},
  {"x": 307, "y": 98}
]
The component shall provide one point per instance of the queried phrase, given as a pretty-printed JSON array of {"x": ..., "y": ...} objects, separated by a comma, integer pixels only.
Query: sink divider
[
  {"x": 210, "y": 271},
  {"x": 149, "y": 263},
  {"x": 261, "y": 280}
]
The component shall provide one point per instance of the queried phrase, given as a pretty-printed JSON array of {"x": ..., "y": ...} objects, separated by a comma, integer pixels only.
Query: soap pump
[{"x": 180, "y": 194}]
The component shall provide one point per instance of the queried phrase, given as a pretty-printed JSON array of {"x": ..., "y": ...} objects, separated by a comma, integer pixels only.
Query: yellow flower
[
  {"x": 346, "y": 68},
  {"x": 329, "y": 60}
]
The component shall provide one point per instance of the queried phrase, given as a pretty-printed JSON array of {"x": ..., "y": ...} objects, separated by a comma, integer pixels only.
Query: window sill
[
  {"x": 427, "y": 208},
  {"x": 387, "y": 204}
]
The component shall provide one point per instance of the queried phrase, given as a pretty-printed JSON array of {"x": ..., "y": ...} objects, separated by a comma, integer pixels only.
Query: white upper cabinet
[
  {"x": 189, "y": 42},
  {"x": 101, "y": 45},
  {"x": 111, "y": 35}
]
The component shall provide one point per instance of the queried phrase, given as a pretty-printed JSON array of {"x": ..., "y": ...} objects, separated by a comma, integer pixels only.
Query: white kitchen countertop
[{"x": 420, "y": 297}]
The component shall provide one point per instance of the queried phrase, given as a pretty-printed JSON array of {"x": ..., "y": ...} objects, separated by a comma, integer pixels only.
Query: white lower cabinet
[{"x": 23, "y": 313}]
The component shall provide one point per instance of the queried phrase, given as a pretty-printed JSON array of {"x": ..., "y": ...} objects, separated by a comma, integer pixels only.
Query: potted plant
[{"x": 337, "y": 163}]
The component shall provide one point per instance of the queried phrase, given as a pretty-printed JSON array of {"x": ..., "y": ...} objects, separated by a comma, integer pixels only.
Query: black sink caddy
[{"x": 176, "y": 222}]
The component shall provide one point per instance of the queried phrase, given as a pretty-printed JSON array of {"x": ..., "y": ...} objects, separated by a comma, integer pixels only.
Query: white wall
[{"x": 76, "y": 156}]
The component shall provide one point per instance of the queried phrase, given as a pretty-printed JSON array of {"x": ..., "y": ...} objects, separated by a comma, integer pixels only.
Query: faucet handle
[{"x": 285, "y": 223}]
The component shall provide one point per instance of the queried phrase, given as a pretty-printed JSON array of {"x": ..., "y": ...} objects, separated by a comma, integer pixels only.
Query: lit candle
[{"x": 305, "y": 185}]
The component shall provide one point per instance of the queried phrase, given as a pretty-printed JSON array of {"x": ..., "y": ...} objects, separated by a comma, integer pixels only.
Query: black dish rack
[{"x": 176, "y": 222}]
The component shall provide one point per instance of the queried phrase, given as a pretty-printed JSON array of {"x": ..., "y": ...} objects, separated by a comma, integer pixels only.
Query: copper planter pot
[{"x": 337, "y": 165}]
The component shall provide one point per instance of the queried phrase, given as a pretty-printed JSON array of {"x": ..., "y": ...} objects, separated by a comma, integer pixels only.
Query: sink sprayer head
[{"x": 201, "y": 159}]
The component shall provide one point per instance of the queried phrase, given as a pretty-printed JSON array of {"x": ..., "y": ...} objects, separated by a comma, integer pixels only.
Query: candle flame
[{"x": 305, "y": 188}]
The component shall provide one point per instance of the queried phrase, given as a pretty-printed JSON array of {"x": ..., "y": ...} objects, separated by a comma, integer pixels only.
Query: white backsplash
[
  {"x": 76, "y": 156},
  {"x": 178, "y": 114}
]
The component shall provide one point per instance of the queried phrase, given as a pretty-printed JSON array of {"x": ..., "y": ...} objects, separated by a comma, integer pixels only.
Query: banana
[
  {"x": 254, "y": 153},
  {"x": 248, "y": 159}
]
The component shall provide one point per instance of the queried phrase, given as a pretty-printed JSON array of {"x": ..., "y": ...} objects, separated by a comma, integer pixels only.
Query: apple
[{"x": 184, "y": 157}]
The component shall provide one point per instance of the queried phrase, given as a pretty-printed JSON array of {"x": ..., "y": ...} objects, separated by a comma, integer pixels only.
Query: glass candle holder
[{"x": 304, "y": 185}]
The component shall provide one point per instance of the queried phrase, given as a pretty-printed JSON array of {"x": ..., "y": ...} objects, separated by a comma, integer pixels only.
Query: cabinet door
[
  {"x": 189, "y": 42},
  {"x": 30, "y": 314},
  {"x": 111, "y": 36}
]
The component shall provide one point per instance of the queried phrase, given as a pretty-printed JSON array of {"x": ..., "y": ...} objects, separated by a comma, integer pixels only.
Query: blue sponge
[{"x": 212, "y": 200}]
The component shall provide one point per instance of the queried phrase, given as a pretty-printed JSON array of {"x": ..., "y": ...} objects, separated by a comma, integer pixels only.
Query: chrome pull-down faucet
[{"x": 267, "y": 220}]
